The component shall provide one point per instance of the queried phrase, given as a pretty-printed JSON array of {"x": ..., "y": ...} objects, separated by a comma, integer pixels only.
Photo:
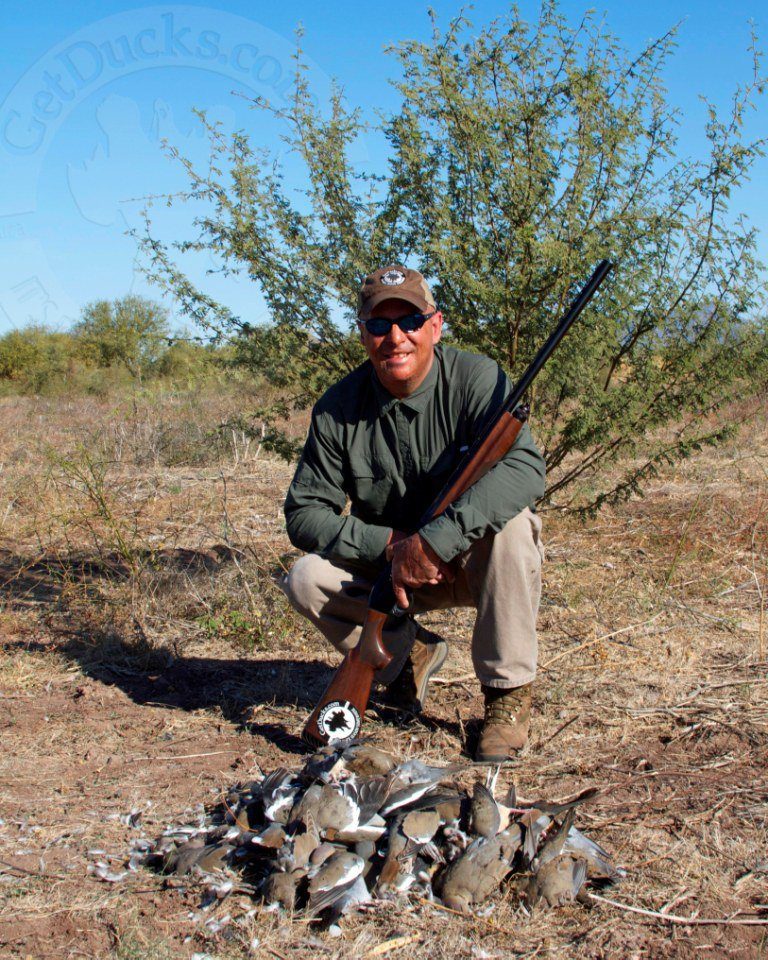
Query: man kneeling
[{"x": 386, "y": 438}]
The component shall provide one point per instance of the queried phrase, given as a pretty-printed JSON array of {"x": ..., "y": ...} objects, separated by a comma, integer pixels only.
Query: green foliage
[
  {"x": 520, "y": 155},
  {"x": 188, "y": 363},
  {"x": 114, "y": 347},
  {"x": 34, "y": 357},
  {"x": 130, "y": 331},
  {"x": 256, "y": 621},
  {"x": 235, "y": 625}
]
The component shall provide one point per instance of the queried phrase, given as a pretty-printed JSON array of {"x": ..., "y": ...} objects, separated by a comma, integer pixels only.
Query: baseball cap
[{"x": 394, "y": 282}]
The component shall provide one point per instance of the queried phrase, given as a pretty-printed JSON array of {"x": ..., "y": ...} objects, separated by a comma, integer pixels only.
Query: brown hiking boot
[
  {"x": 408, "y": 691},
  {"x": 506, "y": 723}
]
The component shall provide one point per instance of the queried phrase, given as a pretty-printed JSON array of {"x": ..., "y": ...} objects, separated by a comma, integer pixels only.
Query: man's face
[{"x": 402, "y": 360}]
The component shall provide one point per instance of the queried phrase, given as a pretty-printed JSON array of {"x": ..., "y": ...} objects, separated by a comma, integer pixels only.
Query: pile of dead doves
[{"x": 353, "y": 827}]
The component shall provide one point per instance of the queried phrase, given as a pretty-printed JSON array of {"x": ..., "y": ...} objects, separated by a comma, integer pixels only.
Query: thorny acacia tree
[{"x": 520, "y": 156}]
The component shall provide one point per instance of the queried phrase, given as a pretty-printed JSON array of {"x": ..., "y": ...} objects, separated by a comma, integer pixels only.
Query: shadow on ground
[
  {"x": 243, "y": 689},
  {"x": 30, "y": 581}
]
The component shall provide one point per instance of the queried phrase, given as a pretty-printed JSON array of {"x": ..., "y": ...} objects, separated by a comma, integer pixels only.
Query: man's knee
[
  {"x": 514, "y": 552},
  {"x": 301, "y": 584},
  {"x": 521, "y": 535}
]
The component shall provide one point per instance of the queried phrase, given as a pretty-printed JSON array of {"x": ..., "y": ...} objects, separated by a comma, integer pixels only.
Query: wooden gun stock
[
  {"x": 339, "y": 714},
  {"x": 341, "y": 708},
  {"x": 492, "y": 447}
]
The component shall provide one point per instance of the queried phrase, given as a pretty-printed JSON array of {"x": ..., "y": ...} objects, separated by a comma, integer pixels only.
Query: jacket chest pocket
[{"x": 369, "y": 490}]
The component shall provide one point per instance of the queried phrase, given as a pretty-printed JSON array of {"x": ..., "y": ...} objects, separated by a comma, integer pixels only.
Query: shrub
[
  {"x": 130, "y": 331},
  {"x": 34, "y": 358},
  {"x": 520, "y": 155}
]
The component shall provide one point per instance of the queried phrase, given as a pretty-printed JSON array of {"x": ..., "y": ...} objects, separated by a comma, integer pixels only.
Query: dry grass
[{"x": 149, "y": 661}]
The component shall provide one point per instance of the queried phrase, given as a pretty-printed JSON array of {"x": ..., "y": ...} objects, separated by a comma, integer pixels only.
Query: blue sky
[{"x": 82, "y": 116}]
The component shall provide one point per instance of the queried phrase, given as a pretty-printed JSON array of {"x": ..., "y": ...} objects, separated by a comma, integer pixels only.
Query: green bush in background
[
  {"x": 114, "y": 347},
  {"x": 131, "y": 332},
  {"x": 520, "y": 155},
  {"x": 34, "y": 357}
]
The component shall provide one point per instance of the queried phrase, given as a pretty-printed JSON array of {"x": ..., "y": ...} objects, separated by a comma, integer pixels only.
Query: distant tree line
[{"x": 115, "y": 343}]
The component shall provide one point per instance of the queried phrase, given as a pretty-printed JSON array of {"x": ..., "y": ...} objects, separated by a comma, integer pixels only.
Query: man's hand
[
  {"x": 395, "y": 537},
  {"x": 414, "y": 564}
]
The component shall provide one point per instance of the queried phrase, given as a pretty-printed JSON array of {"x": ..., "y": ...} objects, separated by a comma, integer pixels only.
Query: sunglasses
[{"x": 381, "y": 326}]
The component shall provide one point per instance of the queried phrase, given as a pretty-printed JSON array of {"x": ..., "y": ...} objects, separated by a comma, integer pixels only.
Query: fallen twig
[
  {"x": 607, "y": 636},
  {"x": 31, "y": 873},
  {"x": 684, "y": 921},
  {"x": 184, "y": 756},
  {"x": 395, "y": 943},
  {"x": 276, "y": 953},
  {"x": 559, "y": 730},
  {"x": 466, "y": 916},
  {"x": 449, "y": 681}
]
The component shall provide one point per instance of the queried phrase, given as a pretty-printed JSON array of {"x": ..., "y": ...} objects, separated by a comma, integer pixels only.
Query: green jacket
[{"x": 390, "y": 458}]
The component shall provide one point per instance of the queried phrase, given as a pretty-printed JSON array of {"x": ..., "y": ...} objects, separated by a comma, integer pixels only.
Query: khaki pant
[{"x": 500, "y": 575}]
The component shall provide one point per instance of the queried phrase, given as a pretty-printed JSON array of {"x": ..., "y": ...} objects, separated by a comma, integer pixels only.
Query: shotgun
[{"x": 340, "y": 711}]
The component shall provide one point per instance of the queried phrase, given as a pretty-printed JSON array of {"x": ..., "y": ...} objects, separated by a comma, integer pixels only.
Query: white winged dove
[{"x": 333, "y": 878}]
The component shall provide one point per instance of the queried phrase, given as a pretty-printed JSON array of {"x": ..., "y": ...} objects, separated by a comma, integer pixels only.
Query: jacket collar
[{"x": 416, "y": 401}]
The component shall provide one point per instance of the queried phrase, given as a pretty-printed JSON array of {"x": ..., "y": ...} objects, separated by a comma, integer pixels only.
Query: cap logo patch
[{"x": 393, "y": 278}]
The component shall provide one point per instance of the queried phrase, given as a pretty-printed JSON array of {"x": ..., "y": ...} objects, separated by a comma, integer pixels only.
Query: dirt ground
[{"x": 148, "y": 662}]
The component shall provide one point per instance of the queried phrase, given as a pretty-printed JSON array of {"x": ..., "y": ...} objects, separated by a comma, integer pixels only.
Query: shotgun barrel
[{"x": 454, "y": 487}]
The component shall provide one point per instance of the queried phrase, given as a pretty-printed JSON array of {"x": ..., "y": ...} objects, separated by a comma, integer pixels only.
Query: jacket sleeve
[
  {"x": 514, "y": 483},
  {"x": 316, "y": 500}
]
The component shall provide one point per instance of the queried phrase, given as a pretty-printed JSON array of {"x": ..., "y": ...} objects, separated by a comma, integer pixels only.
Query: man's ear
[{"x": 437, "y": 327}]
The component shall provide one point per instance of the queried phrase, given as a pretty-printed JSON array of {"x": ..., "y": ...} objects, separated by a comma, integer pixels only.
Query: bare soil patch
[{"x": 148, "y": 662}]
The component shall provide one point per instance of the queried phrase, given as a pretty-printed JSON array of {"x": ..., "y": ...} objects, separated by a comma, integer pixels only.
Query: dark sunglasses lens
[
  {"x": 410, "y": 323},
  {"x": 380, "y": 326}
]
